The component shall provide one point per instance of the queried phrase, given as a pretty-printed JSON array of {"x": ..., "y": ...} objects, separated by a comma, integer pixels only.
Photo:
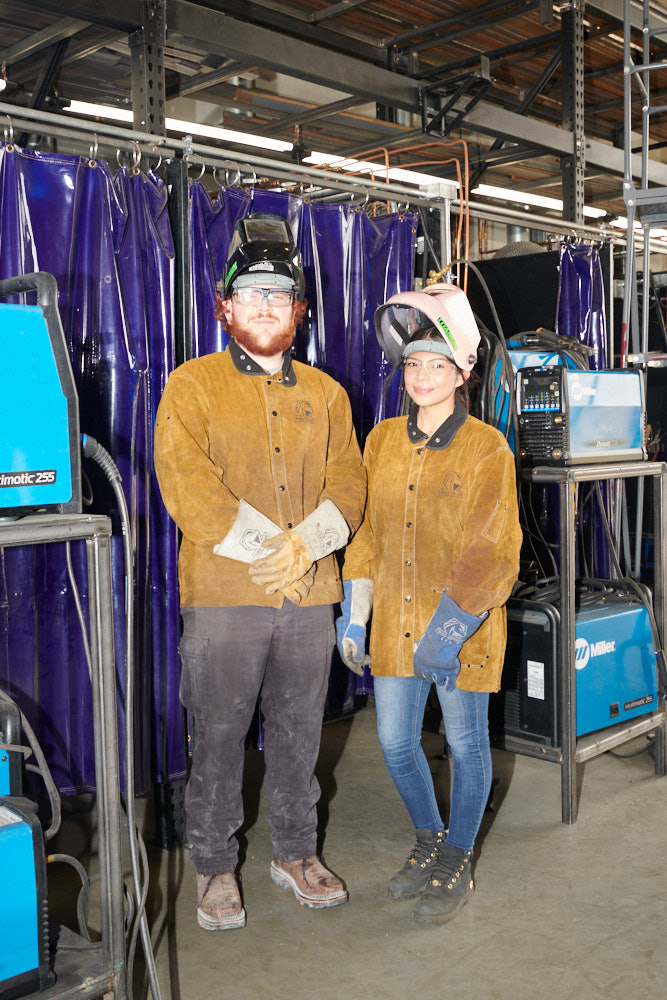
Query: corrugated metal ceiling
[{"x": 351, "y": 76}]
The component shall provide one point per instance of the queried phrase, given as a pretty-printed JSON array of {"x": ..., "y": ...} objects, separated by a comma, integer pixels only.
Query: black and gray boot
[
  {"x": 449, "y": 887},
  {"x": 416, "y": 871}
]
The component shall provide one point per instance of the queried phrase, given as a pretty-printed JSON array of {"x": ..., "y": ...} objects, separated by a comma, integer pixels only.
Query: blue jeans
[{"x": 400, "y": 703}]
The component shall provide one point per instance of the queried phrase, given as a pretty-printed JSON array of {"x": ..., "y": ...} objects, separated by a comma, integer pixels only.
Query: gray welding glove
[
  {"x": 244, "y": 539},
  {"x": 295, "y": 551},
  {"x": 351, "y": 626}
]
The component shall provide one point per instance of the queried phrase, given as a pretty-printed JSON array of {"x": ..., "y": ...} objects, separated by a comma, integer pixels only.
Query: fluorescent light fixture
[
  {"x": 188, "y": 128},
  {"x": 378, "y": 170},
  {"x": 622, "y": 223},
  {"x": 527, "y": 198},
  {"x": 3, "y": 83},
  {"x": 100, "y": 111},
  {"x": 229, "y": 135}
]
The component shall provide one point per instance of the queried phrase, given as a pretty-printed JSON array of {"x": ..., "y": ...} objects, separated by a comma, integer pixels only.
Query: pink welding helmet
[{"x": 445, "y": 307}]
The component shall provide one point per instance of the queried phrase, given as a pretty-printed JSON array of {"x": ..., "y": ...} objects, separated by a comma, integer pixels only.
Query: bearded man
[{"x": 259, "y": 466}]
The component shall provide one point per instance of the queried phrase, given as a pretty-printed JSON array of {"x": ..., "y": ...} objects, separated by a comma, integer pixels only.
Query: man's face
[{"x": 263, "y": 329}]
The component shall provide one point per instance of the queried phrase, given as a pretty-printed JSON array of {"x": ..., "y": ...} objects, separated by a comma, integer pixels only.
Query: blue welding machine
[
  {"x": 615, "y": 661},
  {"x": 40, "y": 469},
  {"x": 24, "y": 957}
]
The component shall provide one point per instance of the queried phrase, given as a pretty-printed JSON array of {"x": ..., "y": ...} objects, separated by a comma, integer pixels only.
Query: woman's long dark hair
[{"x": 463, "y": 391}]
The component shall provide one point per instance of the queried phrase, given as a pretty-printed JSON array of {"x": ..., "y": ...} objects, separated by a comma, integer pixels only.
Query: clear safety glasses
[
  {"x": 434, "y": 366},
  {"x": 253, "y": 296}
]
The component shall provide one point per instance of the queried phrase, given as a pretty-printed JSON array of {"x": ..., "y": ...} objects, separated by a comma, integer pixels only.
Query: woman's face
[{"x": 431, "y": 380}]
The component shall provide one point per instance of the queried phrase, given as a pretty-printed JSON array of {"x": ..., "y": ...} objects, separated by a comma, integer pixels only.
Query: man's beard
[{"x": 280, "y": 342}]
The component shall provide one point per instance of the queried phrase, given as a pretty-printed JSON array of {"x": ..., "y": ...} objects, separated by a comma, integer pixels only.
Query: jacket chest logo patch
[
  {"x": 304, "y": 411},
  {"x": 452, "y": 486}
]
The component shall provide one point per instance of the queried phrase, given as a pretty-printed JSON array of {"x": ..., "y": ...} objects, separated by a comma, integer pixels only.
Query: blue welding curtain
[
  {"x": 108, "y": 243},
  {"x": 580, "y": 314},
  {"x": 106, "y": 239},
  {"x": 352, "y": 264}
]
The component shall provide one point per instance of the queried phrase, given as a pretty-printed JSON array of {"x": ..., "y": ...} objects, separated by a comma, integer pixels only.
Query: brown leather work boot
[
  {"x": 219, "y": 906},
  {"x": 313, "y": 884}
]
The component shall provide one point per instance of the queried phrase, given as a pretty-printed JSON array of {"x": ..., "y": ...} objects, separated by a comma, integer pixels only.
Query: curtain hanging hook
[
  {"x": 155, "y": 151},
  {"x": 201, "y": 172},
  {"x": 235, "y": 172},
  {"x": 253, "y": 182},
  {"x": 92, "y": 152},
  {"x": 232, "y": 173},
  {"x": 136, "y": 155},
  {"x": 9, "y": 133}
]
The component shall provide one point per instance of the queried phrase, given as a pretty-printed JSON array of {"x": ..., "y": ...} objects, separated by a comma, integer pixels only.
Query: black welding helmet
[{"x": 263, "y": 243}]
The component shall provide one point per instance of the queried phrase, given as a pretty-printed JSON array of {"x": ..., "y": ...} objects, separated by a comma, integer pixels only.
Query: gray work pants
[{"x": 230, "y": 656}]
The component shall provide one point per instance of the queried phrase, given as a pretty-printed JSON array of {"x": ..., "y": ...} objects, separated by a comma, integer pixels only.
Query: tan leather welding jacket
[
  {"x": 442, "y": 513},
  {"x": 227, "y": 431}
]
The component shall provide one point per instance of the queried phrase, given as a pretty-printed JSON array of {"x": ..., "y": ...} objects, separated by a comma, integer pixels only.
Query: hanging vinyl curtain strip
[
  {"x": 580, "y": 309},
  {"x": 109, "y": 246},
  {"x": 106, "y": 239},
  {"x": 581, "y": 314}
]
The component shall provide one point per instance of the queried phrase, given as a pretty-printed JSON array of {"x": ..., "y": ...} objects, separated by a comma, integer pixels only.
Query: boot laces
[
  {"x": 425, "y": 850},
  {"x": 449, "y": 866}
]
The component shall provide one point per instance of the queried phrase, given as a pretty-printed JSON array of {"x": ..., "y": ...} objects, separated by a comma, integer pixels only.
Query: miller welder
[
  {"x": 615, "y": 660},
  {"x": 574, "y": 417}
]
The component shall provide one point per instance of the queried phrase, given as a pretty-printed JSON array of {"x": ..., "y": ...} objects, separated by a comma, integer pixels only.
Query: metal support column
[
  {"x": 112, "y": 916},
  {"x": 176, "y": 176},
  {"x": 573, "y": 167},
  {"x": 567, "y": 708},
  {"x": 660, "y": 603},
  {"x": 148, "y": 77}
]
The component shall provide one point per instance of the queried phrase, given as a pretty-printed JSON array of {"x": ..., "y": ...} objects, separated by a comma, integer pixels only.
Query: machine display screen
[{"x": 541, "y": 393}]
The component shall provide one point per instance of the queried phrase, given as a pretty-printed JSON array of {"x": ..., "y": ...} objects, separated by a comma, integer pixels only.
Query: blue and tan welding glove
[
  {"x": 351, "y": 626},
  {"x": 436, "y": 656}
]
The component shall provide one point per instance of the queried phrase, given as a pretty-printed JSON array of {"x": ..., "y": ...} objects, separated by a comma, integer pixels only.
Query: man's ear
[
  {"x": 300, "y": 309},
  {"x": 222, "y": 309}
]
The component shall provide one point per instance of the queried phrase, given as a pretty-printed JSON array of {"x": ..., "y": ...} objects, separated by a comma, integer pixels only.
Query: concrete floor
[{"x": 566, "y": 911}]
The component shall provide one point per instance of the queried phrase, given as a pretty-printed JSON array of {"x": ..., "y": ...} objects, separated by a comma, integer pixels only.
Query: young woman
[{"x": 435, "y": 557}]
